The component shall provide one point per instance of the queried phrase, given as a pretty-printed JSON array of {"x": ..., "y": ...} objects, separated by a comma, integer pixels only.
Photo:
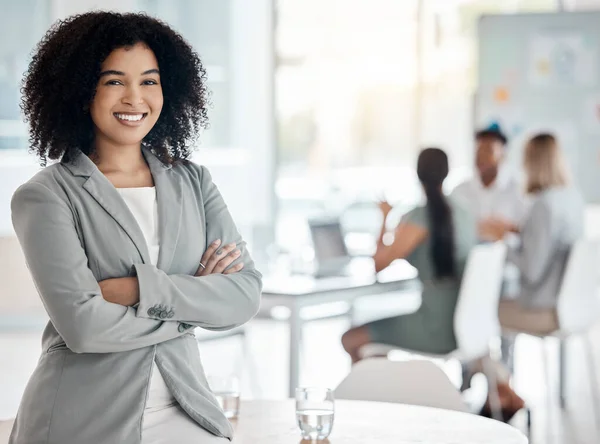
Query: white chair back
[
  {"x": 578, "y": 304},
  {"x": 410, "y": 382},
  {"x": 476, "y": 317}
]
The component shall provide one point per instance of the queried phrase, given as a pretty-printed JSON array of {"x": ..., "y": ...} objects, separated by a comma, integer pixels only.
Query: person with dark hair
[
  {"x": 494, "y": 193},
  {"x": 129, "y": 243},
  {"x": 436, "y": 239},
  {"x": 495, "y": 197}
]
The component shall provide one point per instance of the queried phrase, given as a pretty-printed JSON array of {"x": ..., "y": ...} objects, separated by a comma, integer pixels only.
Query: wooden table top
[{"x": 274, "y": 422}]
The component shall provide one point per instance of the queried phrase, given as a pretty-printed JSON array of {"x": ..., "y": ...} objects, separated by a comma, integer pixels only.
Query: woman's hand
[
  {"x": 216, "y": 260},
  {"x": 494, "y": 229},
  {"x": 385, "y": 208}
]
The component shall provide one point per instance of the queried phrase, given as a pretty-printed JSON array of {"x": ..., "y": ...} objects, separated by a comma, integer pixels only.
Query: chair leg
[
  {"x": 549, "y": 421},
  {"x": 589, "y": 351},
  {"x": 490, "y": 373},
  {"x": 562, "y": 359}
]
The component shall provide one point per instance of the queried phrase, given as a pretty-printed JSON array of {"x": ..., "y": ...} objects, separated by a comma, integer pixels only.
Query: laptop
[{"x": 331, "y": 254}]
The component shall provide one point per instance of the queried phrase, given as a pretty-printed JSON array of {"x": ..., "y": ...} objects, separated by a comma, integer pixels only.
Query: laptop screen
[{"x": 328, "y": 240}]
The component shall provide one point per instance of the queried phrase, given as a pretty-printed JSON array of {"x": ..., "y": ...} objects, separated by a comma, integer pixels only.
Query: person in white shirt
[
  {"x": 494, "y": 193},
  {"x": 496, "y": 198}
]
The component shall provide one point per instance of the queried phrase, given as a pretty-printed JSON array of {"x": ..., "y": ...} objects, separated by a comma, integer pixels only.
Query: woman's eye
[
  {"x": 150, "y": 82},
  {"x": 114, "y": 82}
]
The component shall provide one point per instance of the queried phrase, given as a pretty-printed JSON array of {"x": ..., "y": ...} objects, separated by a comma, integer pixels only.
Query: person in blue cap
[
  {"x": 494, "y": 194},
  {"x": 497, "y": 200}
]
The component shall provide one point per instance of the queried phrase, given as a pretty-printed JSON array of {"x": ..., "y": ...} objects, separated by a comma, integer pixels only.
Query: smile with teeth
[{"x": 130, "y": 117}]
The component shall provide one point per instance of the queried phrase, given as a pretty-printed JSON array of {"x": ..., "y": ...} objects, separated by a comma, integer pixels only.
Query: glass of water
[
  {"x": 314, "y": 412},
  {"x": 227, "y": 391}
]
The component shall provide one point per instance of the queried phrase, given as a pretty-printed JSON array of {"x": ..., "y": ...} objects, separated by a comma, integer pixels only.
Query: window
[
  {"x": 361, "y": 87},
  {"x": 345, "y": 100},
  {"x": 15, "y": 47},
  {"x": 206, "y": 25},
  {"x": 234, "y": 41}
]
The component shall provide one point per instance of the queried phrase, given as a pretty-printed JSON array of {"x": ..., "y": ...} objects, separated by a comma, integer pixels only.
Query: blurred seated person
[
  {"x": 554, "y": 223},
  {"x": 435, "y": 239},
  {"x": 494, "y": 192}
]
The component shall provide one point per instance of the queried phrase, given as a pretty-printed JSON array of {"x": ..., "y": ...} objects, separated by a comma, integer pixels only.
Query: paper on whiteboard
[{"x": 561, "y": 60}]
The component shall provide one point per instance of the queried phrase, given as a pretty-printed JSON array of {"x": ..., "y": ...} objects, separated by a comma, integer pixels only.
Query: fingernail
[
  {"x": 231, "y": 244},
  {"x": 237, "y": 252},
  {"x": 217, "y": 242}
]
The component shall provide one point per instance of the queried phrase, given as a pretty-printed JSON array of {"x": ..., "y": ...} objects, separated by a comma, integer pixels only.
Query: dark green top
[{"x": 431, "y": 328}]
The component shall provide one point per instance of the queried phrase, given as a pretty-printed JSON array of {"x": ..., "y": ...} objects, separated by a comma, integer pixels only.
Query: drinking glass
[
  {"x": 227, "y": 391},
  {"x": 314, "y": 412}
]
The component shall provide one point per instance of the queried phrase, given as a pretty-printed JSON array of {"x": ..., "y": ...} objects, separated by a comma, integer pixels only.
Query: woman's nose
[{"x": 133, "y": 96}]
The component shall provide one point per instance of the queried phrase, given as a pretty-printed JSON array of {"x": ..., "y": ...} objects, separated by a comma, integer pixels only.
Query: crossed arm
[
  {"x": 125, "y": 291},
  {"x": 79, "y": 307}
]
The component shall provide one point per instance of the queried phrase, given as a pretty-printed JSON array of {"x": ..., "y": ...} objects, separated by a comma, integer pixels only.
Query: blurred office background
[{"x": 320, "y": 107}]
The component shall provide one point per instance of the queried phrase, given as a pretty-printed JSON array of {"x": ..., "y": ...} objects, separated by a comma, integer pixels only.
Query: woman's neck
[
  {"x": 123, "y": 166},
  {"x": 110, "y": 158}
]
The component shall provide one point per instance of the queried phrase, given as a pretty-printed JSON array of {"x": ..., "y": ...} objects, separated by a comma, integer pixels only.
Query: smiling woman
[
  {"x": 105, "y": 64},
  {"x": 130, "y": 96},
  {"x": 129, "y": 243}
]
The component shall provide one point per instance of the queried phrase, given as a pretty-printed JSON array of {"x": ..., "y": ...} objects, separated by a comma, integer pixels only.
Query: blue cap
[
  {"x": 495, "y": 127},
  {"x": 494, "y": 130}
]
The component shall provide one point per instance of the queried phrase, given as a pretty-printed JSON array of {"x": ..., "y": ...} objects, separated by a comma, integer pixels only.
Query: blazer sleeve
[
  {"x": 45, "y": 227},
  {"x": 216, "y": 301},
  {"x": 534, "y": 254}
]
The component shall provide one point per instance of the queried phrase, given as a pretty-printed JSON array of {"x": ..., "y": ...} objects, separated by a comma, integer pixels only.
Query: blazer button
[
  {"x": 170, "y": 314},
  {"x": 152, "y": 311},
  {"x": 163, "y": 314},
  {"x": 181, "y": 328}
]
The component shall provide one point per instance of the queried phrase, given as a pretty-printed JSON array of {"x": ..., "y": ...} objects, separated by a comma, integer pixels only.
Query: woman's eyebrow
[{"x": 112, "y": 72}]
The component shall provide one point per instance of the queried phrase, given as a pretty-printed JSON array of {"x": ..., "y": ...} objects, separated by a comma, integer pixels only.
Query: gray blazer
[
  {"x": 554, "y": 223},
  {"x": 91, "y": 382}
]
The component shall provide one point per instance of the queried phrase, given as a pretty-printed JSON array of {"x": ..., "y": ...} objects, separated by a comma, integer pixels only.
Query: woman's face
[{"x": 128, "y": 96}]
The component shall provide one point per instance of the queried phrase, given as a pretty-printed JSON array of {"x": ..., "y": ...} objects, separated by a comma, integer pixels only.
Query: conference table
[
  {"x": 274, "y": 422},
  {"x": 299, "y": 291}
]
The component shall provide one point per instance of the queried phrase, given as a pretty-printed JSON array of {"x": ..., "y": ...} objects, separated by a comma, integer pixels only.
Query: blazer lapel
[
  {"x": 170, "y": 207},
  {"x": 103, "y": 191}
]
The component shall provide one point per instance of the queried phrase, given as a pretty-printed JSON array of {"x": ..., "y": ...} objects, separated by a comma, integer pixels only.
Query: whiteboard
[{"x": 541, "y": 72}]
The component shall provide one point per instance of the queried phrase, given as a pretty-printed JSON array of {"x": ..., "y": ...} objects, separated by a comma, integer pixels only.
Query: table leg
[{"x": 295, "y": 349}]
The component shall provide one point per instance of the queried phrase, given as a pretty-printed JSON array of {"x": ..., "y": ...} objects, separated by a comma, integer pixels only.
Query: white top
[
  {"x": 502, "y": 199},
  {"x": 144, "y": 207},
  {"x": 142, "y": 204}
]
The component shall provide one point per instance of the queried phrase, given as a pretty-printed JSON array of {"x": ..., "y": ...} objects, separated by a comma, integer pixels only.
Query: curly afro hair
[{"x": 61, "y": 80}]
